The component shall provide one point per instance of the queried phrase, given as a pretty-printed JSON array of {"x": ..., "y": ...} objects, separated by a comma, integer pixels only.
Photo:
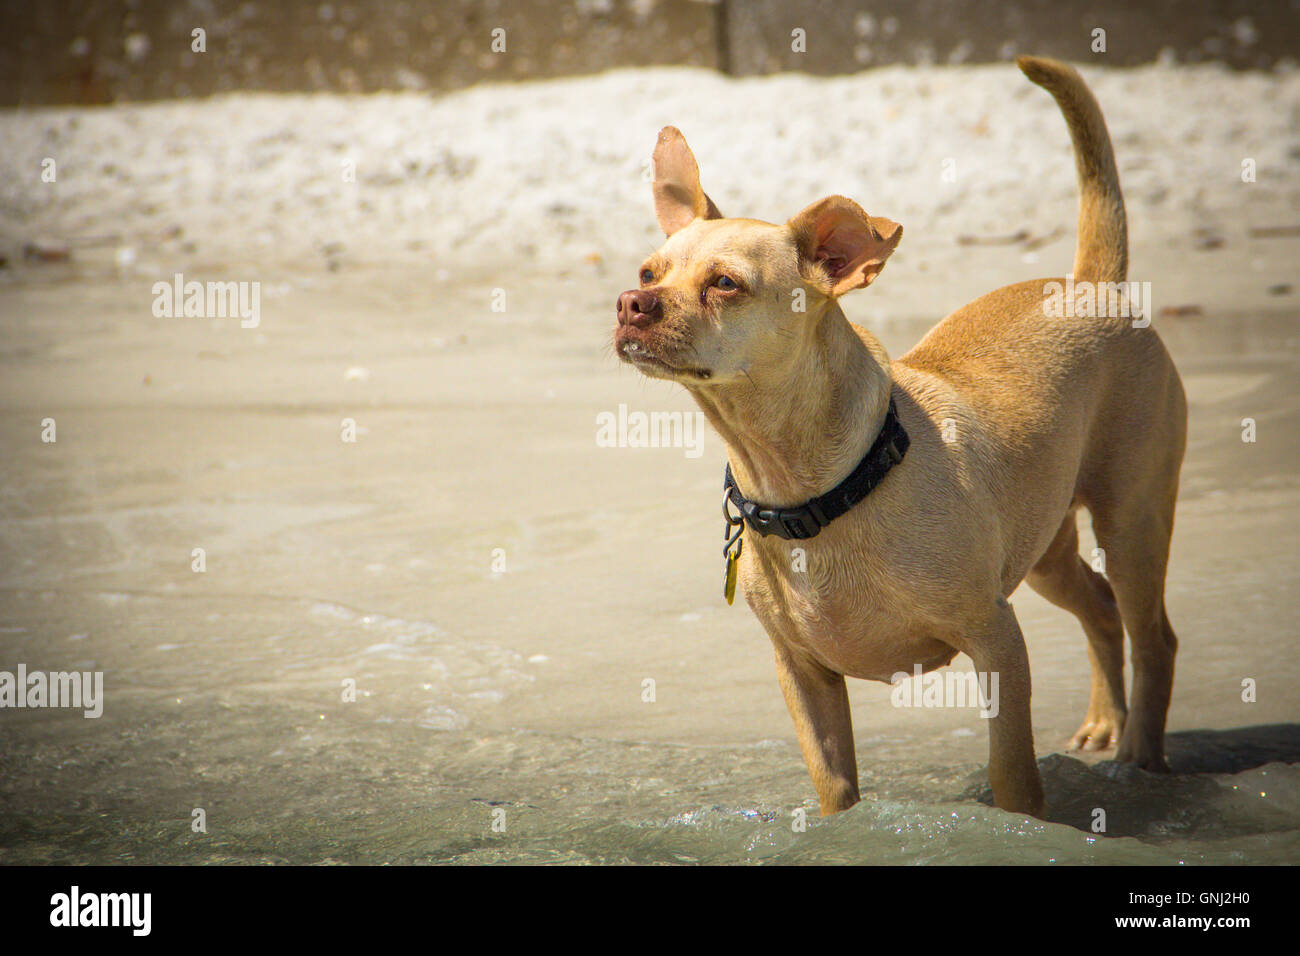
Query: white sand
[{"x": 554, "y": 171}]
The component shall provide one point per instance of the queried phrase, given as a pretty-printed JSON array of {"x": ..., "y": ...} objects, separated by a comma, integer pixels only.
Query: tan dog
[{"x": 1016, "y": 420}]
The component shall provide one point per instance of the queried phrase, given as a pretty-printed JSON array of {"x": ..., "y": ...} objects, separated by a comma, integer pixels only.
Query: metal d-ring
[{"x": 733, "y": 521}]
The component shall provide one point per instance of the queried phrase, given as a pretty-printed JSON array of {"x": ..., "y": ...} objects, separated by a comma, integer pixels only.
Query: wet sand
[{"x": 523, "y": 689}]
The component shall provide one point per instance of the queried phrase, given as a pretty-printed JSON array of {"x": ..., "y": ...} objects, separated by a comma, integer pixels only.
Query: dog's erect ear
[
  {"x": 847, "y": 243},
  {"x": 679, "y": 200}
]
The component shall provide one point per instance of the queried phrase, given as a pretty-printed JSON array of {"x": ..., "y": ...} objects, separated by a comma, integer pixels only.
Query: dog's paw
[
  {"x": 1097, "y": 733},
  {"x": 1148, "y": 758}
]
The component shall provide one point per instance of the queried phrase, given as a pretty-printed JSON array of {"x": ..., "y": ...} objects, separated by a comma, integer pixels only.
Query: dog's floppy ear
[
  {"x": 679, "y": 200},
  {"x": 835, "y": 237}
]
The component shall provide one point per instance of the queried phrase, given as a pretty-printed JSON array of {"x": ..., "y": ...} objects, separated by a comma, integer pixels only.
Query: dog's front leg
[
  {"x": 819, "y": 703},
  {"x": 1002, "y": 665}
]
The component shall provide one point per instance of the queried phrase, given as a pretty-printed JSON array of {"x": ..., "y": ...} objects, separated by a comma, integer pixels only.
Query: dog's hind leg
[
  {"x": 1130, "y": 484},
  {"x": 1136, "y": 545},
  {"x": 1062, "y": 577}
]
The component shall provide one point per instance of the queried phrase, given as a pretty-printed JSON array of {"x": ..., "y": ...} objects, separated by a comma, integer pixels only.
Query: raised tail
[{"x": 1102, "y": 251}]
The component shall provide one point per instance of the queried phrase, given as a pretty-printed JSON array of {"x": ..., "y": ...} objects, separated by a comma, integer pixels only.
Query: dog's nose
[{"x": 639, "y": 307}]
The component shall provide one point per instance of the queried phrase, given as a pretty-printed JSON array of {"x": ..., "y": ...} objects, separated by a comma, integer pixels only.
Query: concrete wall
[
  {"x": 64, "y": 51},
  {"x": 844, "y": 36}
]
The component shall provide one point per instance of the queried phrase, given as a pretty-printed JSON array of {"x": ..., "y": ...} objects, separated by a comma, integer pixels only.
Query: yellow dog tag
[{"x": 733, "y": 571}]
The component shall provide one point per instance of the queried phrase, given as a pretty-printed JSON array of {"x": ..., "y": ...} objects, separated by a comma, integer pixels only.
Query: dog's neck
[{"x": 794, "y": 435}]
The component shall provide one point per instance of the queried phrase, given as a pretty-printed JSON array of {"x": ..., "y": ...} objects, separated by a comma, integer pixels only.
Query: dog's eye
[
  {"x": 726, "y": 283},
  {"x": 647, "y": 277}
]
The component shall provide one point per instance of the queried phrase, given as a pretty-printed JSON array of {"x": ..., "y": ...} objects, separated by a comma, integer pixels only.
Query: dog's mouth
[{"x": 638, "y": 354}]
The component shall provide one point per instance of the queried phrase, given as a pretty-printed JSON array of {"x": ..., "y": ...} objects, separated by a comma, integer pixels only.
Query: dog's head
[{"x": 728, "y": 297}]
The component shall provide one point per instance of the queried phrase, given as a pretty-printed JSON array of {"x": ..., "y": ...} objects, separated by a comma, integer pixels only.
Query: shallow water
[{"x": 516, "y": 696}]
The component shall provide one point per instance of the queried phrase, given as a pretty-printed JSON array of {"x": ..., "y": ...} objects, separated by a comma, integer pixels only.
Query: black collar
[{"x": 807, "y": 519}]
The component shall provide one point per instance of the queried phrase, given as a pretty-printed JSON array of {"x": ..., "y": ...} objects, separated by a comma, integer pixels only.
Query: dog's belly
[
  {"x": 867, "y": 657},
  {"x": 845, "y": 636}
]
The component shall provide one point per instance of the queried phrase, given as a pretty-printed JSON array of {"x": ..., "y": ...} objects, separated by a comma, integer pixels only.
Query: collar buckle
[{"x": 793, "y": 524}]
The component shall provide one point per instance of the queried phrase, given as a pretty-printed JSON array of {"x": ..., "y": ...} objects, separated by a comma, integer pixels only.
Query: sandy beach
[{"x": 495, "y": 583}]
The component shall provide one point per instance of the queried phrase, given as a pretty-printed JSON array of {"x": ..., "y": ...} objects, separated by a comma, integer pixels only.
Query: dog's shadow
[{"x": 1136, "y": 803}]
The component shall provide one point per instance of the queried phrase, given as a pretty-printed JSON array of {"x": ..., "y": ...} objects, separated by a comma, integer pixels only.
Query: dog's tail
[{"x": 1102, "y": 251}]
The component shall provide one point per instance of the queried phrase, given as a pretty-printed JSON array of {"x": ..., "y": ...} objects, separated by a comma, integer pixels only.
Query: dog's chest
[{"x": 837, "y": 614}]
